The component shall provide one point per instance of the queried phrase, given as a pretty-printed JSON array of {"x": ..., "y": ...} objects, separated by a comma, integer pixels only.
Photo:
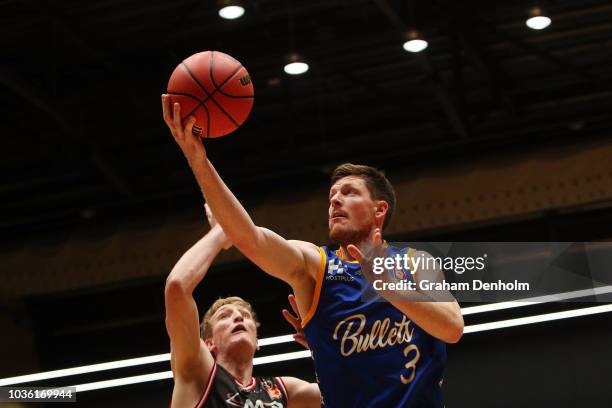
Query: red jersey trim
[
  {"x": 211, "y": 379},
  {"x": 282, "y": 384},
  {"x": 248, "y": 387}
]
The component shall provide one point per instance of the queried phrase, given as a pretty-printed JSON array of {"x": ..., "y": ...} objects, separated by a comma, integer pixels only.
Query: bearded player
[
  {"x": 380, "y": 350},
  {"x": 213, "y": 364}
]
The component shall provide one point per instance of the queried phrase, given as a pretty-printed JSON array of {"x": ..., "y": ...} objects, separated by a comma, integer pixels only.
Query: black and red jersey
[{"x": 224, "y": 391}]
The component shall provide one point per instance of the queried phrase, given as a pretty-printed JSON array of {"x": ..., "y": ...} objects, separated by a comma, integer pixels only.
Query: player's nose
[{"x": 335, "y": 201}]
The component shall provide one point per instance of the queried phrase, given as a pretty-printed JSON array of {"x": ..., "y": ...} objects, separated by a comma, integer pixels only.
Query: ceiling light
[
  {"x": 537, "y": 21},
  {"x": 414, "y": 42},
  {"x": 231, "y": 12},
  {"x": 295, "y": 65}
]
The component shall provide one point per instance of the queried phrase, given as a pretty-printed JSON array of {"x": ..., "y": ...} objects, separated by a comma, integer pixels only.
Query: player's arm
[
  {"x": 302, "y": 394},
  {"x": 182, "y": 321},
  {"x": 291, "y": 261},
  {"x": 437, "y": 313},
  {"x": 442, "y": 320}
]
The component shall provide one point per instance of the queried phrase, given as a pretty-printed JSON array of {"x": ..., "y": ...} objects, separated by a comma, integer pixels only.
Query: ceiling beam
[
  {"x": 68, "y": 129},
  {"x": 465, "y": 28},
  {"x": 560, "y": 63},
  {"x": 75, "y": 136},
  {"x": 450, "y": 106}
]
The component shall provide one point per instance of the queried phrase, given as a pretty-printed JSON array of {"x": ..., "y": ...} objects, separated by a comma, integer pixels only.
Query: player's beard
[{"x": 351, "y": 235}]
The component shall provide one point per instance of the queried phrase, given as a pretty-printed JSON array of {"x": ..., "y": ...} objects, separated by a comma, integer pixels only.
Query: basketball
[{"x": 216, "y": 89}]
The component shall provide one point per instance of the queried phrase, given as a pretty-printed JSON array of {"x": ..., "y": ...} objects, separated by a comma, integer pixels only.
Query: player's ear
[
  {"x": 381, "y": 208},
  {"x": 210, "y": 344}
]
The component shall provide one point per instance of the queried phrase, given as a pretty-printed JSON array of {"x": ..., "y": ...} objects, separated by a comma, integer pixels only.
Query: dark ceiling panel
[{"x": 81, "y": 82}]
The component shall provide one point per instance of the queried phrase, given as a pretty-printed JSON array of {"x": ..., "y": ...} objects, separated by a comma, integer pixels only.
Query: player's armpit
[
  {"x": 302, "y": 394},
  {"x": 289, "y": 260},
  {"x": 295, "y": 262}
]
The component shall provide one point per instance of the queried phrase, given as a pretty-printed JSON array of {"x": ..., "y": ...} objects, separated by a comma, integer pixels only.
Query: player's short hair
[
  {"x": 377, "y": 183},
  {"x": 206, "y": 327}
]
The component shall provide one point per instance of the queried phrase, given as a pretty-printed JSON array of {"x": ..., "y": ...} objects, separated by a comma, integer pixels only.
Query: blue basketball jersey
[{"x": 366, "y": 352}]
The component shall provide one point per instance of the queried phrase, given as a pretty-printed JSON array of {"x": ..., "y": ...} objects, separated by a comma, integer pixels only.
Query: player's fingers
[
  {"x": 355, "y": 252},
  {"x": 377, "y": 237},
  {"x": 301, "y": 340},
  {"x": 293, "y": 321},
  {"x": 209, "y": 215},
  {"x": 176, "y": 117},
  {"x": 165, "y": 109},
  {"x": 167, "y": 112},
  {"x": 189, "y": 126},
  {"x": 207, "y": 209},
  {"x": 293, "y": 304}
]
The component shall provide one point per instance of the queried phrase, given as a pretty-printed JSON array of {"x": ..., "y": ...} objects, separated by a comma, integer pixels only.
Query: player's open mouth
[
  {"x": 338, "y": 215},
  {"x": 239, "y": 328}
]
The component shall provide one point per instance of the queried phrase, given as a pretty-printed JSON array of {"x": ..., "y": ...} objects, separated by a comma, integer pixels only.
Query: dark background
[{"x": 85, "y": 155}]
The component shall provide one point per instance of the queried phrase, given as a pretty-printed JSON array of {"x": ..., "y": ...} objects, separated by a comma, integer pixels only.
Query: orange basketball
[{"x": 216, "y": 89}]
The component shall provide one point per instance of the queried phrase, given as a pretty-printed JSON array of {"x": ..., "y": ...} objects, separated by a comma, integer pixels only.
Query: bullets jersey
[{"x": 366, "y": 352}]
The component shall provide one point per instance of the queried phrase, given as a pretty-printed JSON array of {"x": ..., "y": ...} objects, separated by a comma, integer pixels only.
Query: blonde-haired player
[{"x": 213, "y": 363}]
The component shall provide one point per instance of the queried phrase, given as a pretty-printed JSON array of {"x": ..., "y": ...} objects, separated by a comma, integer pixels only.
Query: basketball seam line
[
  {"x": 235, "y": 96},
  {"x": 200, "y": 105},
  {"x": 189, "y": 96},
  {"x": 211, "y": 94},
  {"x": 200, "y": 102},
  {"x": 207, "y": 120},
  {"x": 218, "y": 88},
  {"x": 184, "y": 94},
  {"x": 225, "y": 81},
  {"x": 207, "y": 97},
  {"x": 207, "y": 94}
]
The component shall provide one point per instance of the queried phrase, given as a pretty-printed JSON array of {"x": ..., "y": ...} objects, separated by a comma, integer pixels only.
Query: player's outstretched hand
[
  {"x": 213, "y": 224},
  {"x": 295, "y": 321},
  {"x": 366, "y": 252},
  {"x": 190, "y": 144}
]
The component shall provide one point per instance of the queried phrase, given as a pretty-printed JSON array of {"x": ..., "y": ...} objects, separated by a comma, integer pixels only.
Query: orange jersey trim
[
  {"x": 317, "y": 291},
  {"x": 340, "y": 254}
]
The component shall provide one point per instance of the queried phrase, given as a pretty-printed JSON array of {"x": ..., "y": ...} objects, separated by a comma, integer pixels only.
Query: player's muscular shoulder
[{"x": 312, "y": 258}]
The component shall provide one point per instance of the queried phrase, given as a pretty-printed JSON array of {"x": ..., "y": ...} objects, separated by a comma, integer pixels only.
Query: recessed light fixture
[
  {"x": 537, "y": 19},
  {"x": 295, "y": 65},
  {"x": 415, "y": 43},
  {"x": 230, "y": 10}
]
